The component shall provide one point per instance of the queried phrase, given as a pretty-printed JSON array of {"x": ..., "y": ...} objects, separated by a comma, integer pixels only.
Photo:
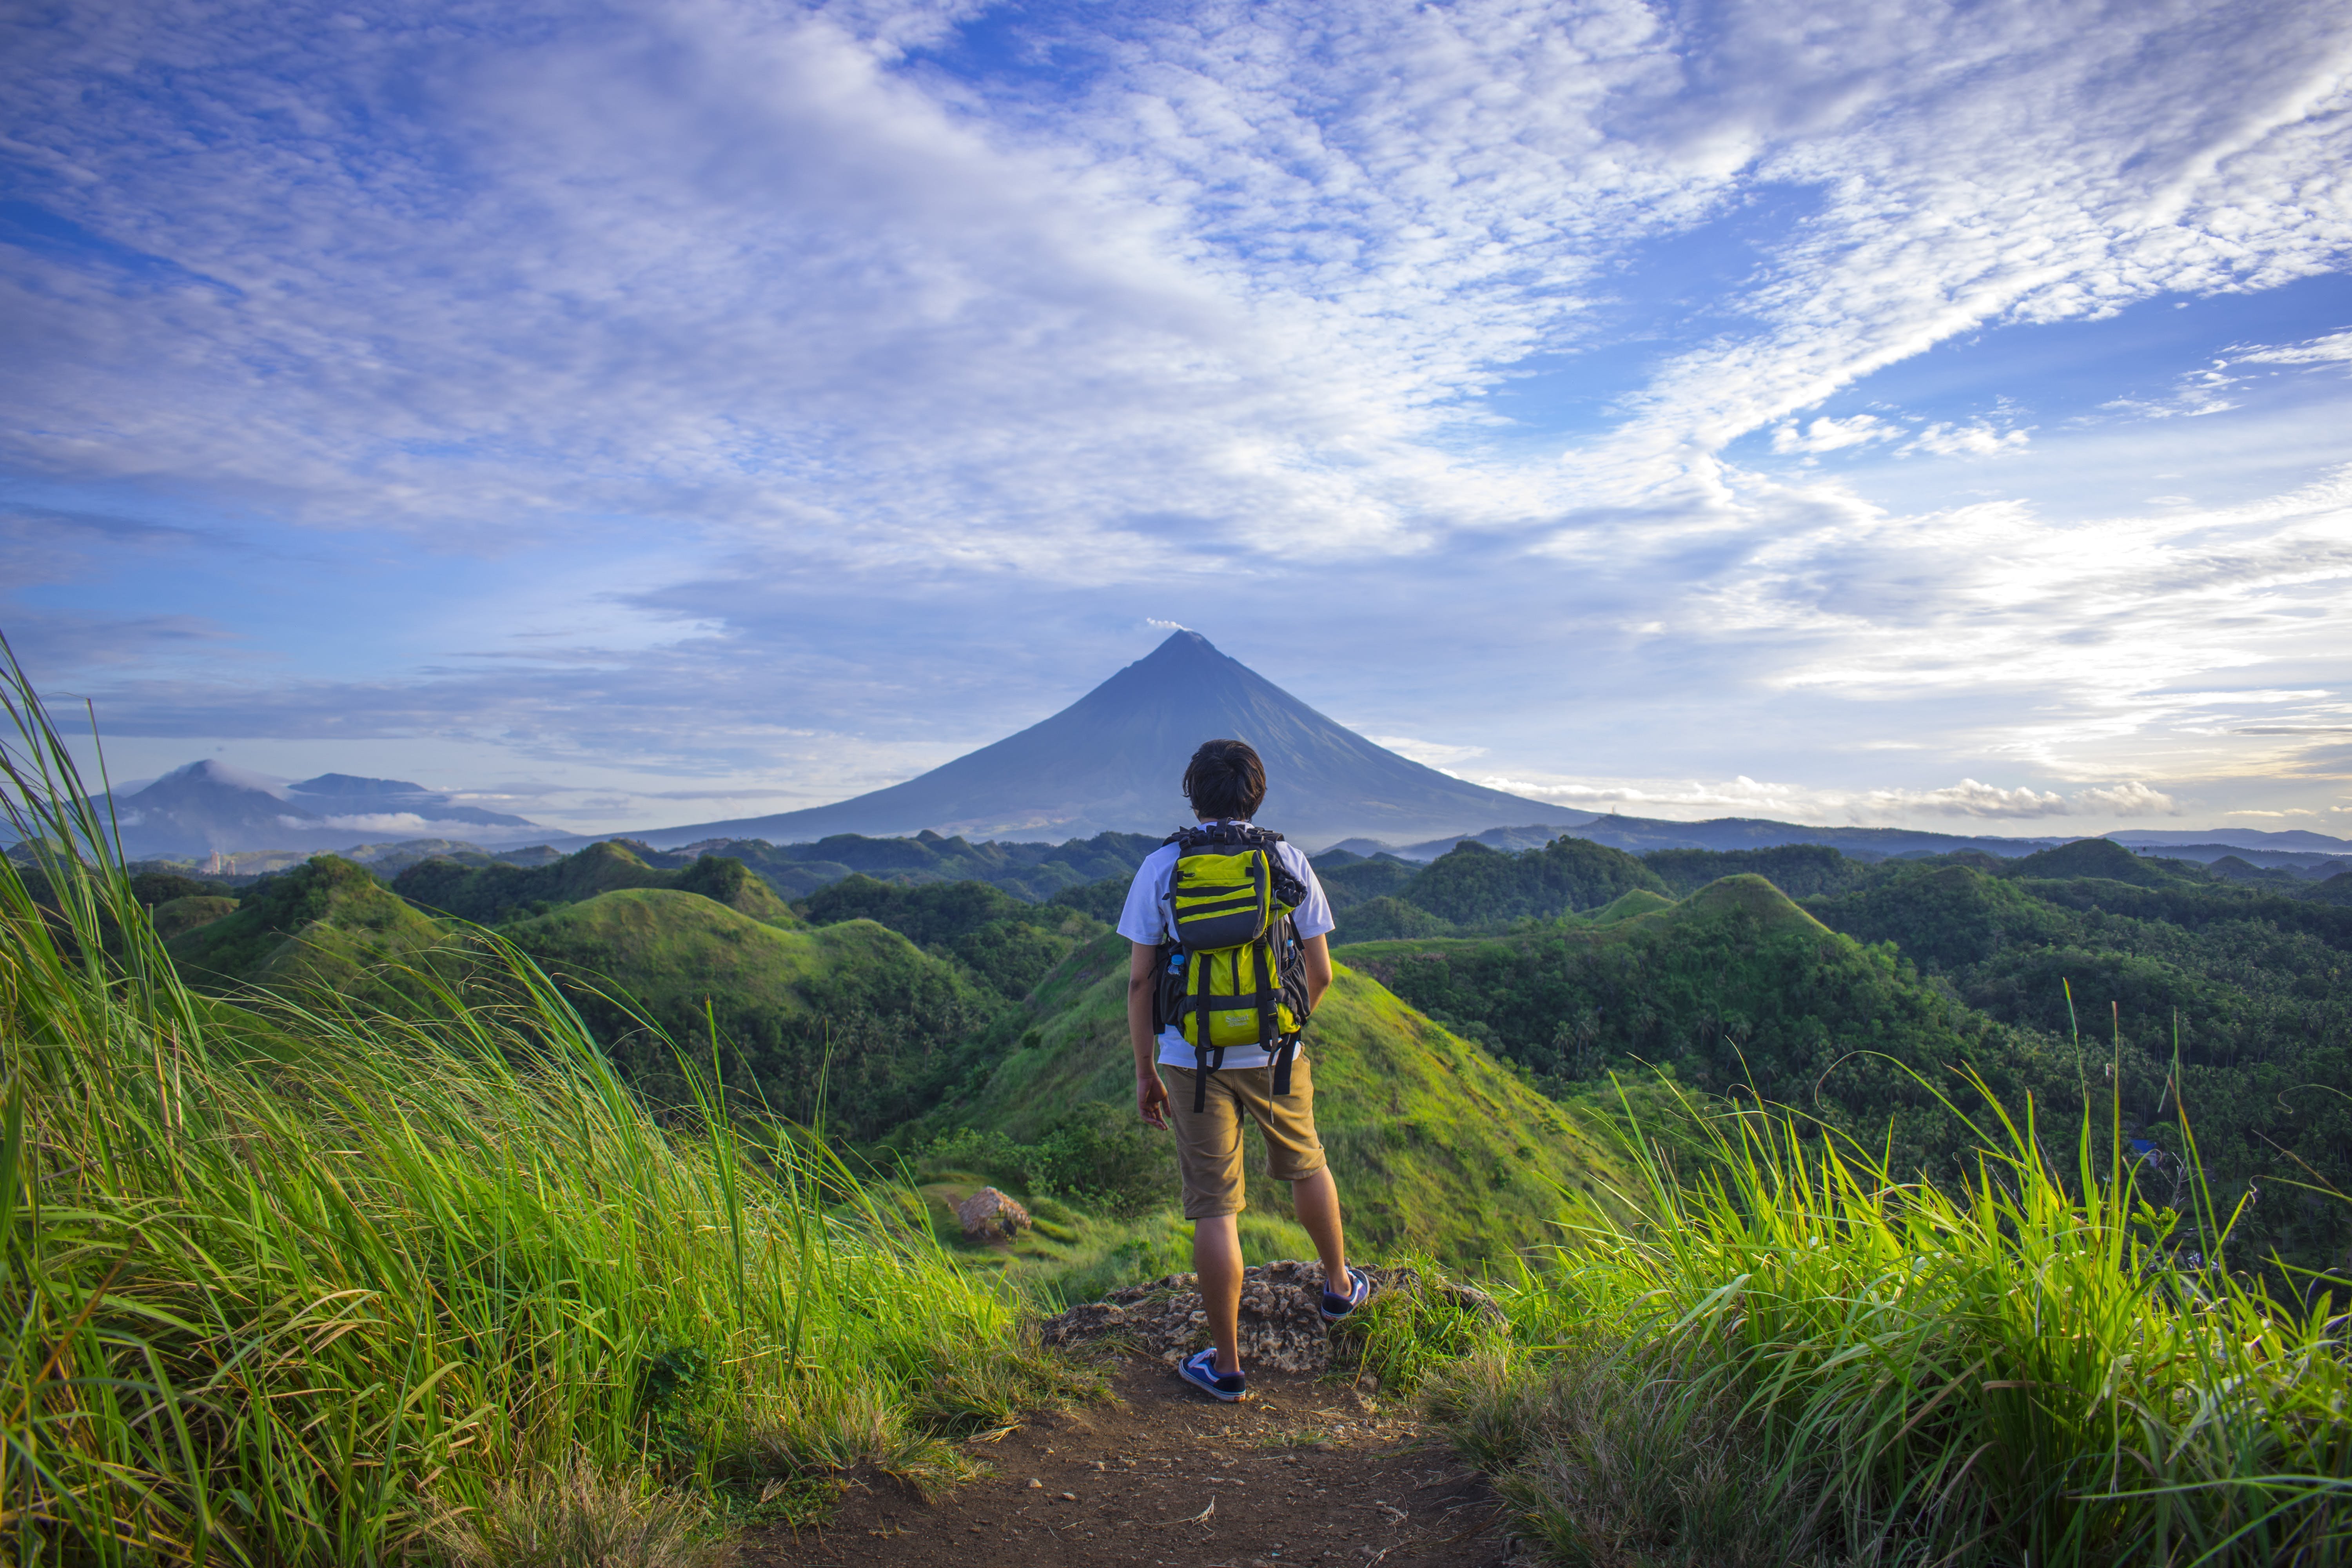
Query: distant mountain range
[
  {"x": 1112, "y": 762},
  {"x": 1109, "y": 762},
  {"x": 209, "y": 807}
]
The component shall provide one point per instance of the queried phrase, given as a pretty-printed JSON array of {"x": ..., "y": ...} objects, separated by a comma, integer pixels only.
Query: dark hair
[{"x": 1225, "y": 779}]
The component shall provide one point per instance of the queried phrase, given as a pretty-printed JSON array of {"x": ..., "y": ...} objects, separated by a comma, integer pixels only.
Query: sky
[{"x": 1921, "y": 415}]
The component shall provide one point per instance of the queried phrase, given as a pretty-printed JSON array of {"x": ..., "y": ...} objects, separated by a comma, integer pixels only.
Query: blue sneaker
[
  {"x": 1200, "y": 1370},
  {"x": 1336, "y": 1306}
]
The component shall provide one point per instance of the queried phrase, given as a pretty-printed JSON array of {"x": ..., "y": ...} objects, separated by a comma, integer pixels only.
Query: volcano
[{"x": 1113, "y": 761}]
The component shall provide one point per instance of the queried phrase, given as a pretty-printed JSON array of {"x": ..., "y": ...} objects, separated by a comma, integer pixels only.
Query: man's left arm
[
  {"x": 1317, "y": 952},
  {"x": 1142, "y": 979}
]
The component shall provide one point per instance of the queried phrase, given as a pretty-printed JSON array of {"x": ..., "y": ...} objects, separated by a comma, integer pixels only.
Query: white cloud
[
  {"x": 1966, "y": 799},
  {"x": 2130, "y": 799},
  {"x": 1747, "y": 796},
  {"x": 1976, "y": 440},
  {"x": 1827, "y": 435},
  {"x": 2334, "y": 348}
]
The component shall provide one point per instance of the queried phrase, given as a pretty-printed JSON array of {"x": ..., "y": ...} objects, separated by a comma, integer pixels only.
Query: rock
[
  {"x": 989, "y": 1215},
  {"x": 1281, "y": 1317}
]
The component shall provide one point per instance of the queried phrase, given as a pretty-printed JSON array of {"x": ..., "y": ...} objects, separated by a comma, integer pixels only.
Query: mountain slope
[
  {"x": 327, "y": 925},
  {"x": 487, "y": 894},
  {"x": 1113, "y": 761},
  {"x": 1737, "y": 990},
  {"x": 858, "y": 1009},
  {"x": 1437, "y": 1146}
]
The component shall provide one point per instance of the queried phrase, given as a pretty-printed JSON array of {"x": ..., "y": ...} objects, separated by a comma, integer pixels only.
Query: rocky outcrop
[
  {"x": 1281, "y": 1319},
  {"x": 990, "y": 1215}
]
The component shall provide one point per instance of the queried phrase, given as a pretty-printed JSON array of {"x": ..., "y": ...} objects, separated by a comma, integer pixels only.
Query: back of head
[{"x": 1225, "y": 779}]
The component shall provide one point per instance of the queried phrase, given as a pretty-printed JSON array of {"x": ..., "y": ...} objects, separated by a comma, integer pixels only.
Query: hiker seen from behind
[{"x": 1229, "y": 958}]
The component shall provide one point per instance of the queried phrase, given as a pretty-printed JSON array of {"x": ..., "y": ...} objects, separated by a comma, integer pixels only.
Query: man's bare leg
[
  {"x": 1316, "y": 1200},
  {"x": 1217, "y": 1259}
]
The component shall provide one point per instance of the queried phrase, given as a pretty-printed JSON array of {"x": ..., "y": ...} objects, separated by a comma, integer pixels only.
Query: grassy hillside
[
  {"x": 488, "y": 894},
  {"x": 1007, "y": 944},
  {"x": 1473, "y": 888},
  {"x": 1473, "y": 885},
  {"x": 1737, "y": 991},
  {"x": 173, "y": 916},
  {"x": 885, "y": 1027},
  {"x": 1437, "y": 1147},
  {"x": 325, "y": 925}
]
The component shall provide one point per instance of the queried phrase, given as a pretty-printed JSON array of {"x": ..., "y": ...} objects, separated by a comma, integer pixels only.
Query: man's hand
[{"x": 1152, "y": 1099}]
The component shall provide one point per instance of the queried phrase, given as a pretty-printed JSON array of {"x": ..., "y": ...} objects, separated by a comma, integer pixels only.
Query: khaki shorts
[{"x": 1209, "y": 1144}]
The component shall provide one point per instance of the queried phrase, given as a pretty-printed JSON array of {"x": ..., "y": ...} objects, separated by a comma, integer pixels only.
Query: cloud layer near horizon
[{"x": 802, "y": 393}]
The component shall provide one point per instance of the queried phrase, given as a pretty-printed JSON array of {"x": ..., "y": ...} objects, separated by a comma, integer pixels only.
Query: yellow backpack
[{"x": 1236, "y": 975}]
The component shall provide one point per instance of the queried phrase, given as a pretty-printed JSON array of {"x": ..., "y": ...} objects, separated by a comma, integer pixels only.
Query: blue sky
[{"x": 1891, "y": 413}]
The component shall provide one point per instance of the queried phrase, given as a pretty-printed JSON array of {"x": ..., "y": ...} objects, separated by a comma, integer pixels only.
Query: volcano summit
[{"x": 1111, "y": 762}]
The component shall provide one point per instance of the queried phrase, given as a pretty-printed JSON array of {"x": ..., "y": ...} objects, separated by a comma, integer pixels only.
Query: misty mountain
[
  {"x": 209, "y": 806},
  {"x": 1112, "y": 762}
]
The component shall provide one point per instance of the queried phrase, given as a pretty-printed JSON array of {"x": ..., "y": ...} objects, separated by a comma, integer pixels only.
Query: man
[{"x": 1226, "y": 783}]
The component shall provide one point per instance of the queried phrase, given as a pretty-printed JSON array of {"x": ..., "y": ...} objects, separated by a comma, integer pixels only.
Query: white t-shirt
[{"x": 1149, "y": 917}]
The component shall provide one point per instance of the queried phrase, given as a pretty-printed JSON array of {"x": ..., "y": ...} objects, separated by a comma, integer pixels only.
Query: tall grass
[
  {"x": 307, "y": 1284},
  {"x": 1796, "y": 1357}
]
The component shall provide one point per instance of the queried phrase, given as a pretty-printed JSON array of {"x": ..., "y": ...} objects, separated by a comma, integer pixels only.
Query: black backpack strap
[
  {"x": 1282, "y": 1054},
  {"x": 1202, "y": 1066},
  {"x": 1269, "y": 993}
]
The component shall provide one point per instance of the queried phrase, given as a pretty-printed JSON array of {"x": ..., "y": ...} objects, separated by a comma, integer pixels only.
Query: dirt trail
[{"x": 1303, "y": 1472}]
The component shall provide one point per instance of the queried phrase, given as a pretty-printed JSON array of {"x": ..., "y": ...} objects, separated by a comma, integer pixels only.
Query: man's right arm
[{"x": 1142, "y": 978}]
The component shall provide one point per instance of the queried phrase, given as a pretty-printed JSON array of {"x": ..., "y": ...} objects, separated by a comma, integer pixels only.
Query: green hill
[
  {"x": 884, "y": 1026},
  {"x": 1472, "y": 888},
  {"x": 1734, "y": 990},
  {"x": 2234, "y": 1001},
  {"x": 1437, "y": 1146},
  {"x": 326, "y": 924},
  {"x": 1473, "y": 885},
  {"x": 1007, "y": 944},
  {"x": 174, "y": 916},
  {"x": 492, "y": 893}
]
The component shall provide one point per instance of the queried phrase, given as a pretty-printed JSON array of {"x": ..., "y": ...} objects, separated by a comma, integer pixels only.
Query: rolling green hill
[
  {"x": 492, "y": 893},
  {"x": 1472, "y": 888},
  {"x": 886, "y": 1027},
  {"x": 1734, "y": 990},
  {"x": 173, "y": 916},
  {"x": 327, "y": 925},
  {"x": 2249, "y": 990},
  {"x": 1437, "y": 1146},
  {"x": 1007, "y": 944}
]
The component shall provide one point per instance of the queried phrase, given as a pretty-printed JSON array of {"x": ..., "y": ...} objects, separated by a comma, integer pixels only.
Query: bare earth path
[{"x": 1303, "y": 1472}]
